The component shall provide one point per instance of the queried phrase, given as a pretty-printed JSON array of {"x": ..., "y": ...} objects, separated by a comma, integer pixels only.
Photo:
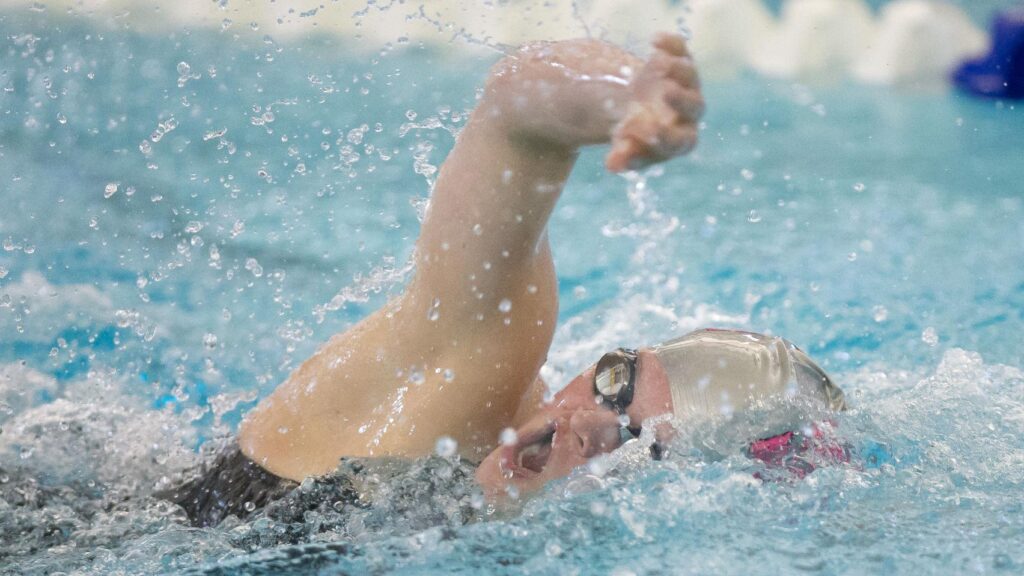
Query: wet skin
[{"x": 573, "y": 428}]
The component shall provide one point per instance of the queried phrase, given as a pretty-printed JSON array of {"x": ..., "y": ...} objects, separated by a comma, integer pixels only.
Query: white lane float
[
  {"x": 631, "y": 24},
  {"x": 920, "y": 42},
  {"x": 816, "y": 40},
  {"x": 726, "y": 34}
]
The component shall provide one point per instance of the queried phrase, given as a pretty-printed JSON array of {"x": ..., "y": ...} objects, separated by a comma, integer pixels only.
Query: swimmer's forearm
[
  {"x": 497, "y": 189},
  {"x": 567, "y": 94}
]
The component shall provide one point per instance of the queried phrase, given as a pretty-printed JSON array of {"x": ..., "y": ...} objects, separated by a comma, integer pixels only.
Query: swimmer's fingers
[
  {"x": 677, "y": 140},
  {"x": 642, "y": 140},
  {"x": 682, "y": 72},
  {"x": 688, "y": 104},
  {"x": 670, "y": 43},
  {"x": 623, "y": 155}
]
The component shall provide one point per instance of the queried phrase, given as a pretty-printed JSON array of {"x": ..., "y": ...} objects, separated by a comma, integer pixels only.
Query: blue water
[{"x": 150, "y": 293}]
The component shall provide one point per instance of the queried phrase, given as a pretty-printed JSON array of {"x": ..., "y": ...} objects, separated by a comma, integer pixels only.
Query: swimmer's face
[{"x": 572, "y": 429}]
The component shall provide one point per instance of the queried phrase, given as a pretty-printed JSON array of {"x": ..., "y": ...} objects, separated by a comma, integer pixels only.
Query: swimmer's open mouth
[
  {"x": 534, "y": 456},
  {"x": 530, "y": 455}
]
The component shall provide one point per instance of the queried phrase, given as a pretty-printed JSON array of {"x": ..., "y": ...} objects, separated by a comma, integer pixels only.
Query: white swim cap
[{"x": 715, "y": 373}]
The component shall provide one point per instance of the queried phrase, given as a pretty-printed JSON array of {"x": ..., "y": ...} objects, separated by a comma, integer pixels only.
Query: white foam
[
  {"x": 19, "y": 386},
  {"x": 919, "y": 42},
  {"x": 34, "y": 309}
]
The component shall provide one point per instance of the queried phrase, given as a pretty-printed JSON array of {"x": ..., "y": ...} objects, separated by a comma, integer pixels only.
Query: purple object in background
[{"x": 1000, "y": 74}]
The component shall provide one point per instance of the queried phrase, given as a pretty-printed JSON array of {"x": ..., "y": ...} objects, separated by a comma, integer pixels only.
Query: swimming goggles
[{"x": 615, "y": 378}]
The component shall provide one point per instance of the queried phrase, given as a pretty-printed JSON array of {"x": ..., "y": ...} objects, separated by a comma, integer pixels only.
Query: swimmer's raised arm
[
  {"x": 540, "y": 105},
  {"x": 456, "y": 352}
]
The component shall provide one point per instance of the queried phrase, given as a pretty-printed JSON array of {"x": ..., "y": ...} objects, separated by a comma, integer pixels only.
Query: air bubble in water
[
  {"x": 210, "y": 341},
  {"x": 505, "y": 306},
  {"x": 859, "y": 187},
  {"x": 445, "y": 447},
  {"x": 249, "y": 507},
  {"x": 478, "y": 229},
  {"x": 930, "y": 336},
  {"x": 508, "y": 437},
  {"x": 449, "y": 375},
  {"x": 880, "y": 313},
  {"x": 61, "y": 118},
  {"x": 252, "y": 265},
  {"x": 753, "y": 217},
  {"x": 110, "y": 189}
]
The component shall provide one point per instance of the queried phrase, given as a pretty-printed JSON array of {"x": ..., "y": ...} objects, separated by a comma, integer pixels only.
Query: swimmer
[{"x": 458, "y": 353}]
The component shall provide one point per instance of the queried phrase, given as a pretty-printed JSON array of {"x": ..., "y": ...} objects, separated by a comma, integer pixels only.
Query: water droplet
[
  {"x": 434, "y": 312},
  {"x": 852, "y": 256},
  {"x": 449, "y": 375},
  {"x": 859, "y": 187},
  {"x": 505, "y": 306},
  {"x": 930, "y": 336},
  {"x": 753, "y": 217},
  {"x": 531, "y": 289},
  {"x": 508, "y": 437},
  {"x": 880, "y": 313},
  {"x": 61, "y": 118},
  {"x": 445, "y": 447},
  {"x": 249, "y": 507},
  {"x": 110, "y": 190},
  {"x": 416, "y": 377},
  {"x": 478, "y": 229},
  {"x": 747, "y": 174}
]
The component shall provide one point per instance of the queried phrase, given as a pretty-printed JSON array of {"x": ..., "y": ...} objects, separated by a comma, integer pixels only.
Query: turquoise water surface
[{"x": 186, "y": 216}]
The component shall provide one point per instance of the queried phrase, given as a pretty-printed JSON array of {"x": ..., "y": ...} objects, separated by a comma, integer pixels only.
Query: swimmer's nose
[{"x": 597, "y": 431}]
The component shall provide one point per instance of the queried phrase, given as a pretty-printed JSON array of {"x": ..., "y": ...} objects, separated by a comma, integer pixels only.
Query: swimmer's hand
[{"x": 660, "y": 120}]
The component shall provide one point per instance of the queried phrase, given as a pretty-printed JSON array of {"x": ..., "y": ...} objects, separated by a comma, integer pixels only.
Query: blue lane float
[{"x": 1000, "y": 74}]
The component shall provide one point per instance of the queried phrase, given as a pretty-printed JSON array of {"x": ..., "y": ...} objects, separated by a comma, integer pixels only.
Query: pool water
[{"x": 187, "y": 215}]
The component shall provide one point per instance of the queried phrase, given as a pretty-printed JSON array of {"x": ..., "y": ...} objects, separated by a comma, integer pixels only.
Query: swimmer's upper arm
[{"x": 531, "y": 403}]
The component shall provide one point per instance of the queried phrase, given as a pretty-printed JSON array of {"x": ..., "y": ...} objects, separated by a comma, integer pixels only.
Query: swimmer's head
[{"x": 704, "y": 374}]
